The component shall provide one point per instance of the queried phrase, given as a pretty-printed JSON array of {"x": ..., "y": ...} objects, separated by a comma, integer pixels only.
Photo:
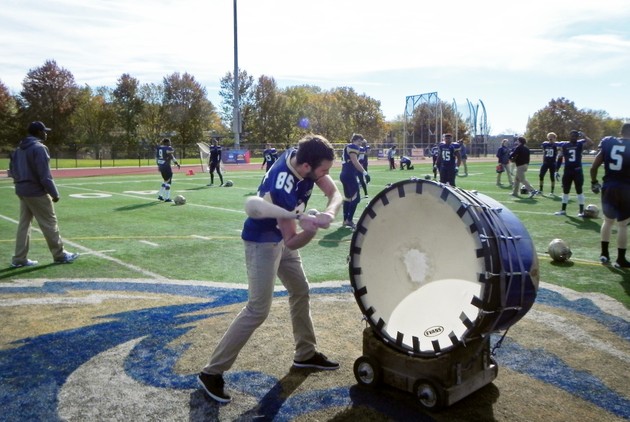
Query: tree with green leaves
[
  {"x": 93, "y": 120},
  {"x": 187, "y": 110},
  {"x": 245, "y": 96},
  {"x": 562, "y": 116},
  {"x": 128, "y": 106},
  {"x": 10, "y": 132},
  {"x": 49, "y": 93}
]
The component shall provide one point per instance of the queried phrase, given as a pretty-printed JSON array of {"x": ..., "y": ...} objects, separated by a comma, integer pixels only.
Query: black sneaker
[
  {"x": 319, "y": 361},
  {"x": 622, "y": 263},
  {"x": 213, "y": 385}
]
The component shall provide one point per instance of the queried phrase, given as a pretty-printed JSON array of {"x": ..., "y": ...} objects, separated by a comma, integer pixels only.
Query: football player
[
  {"x": 405, "y": 163},
  {"x": 448, "y": 159},
  {"x": 214, "y": 161},
  {"x": 614, "y": 154},
  {"x": 350, "y": 169},
  {"x": 364, "y": 151},
  {"x": 550, "y": 155},
  {"x": 270, "y": 155},
  {"x": 164, "y": 155},
  {"x": 571, "y": 152}
]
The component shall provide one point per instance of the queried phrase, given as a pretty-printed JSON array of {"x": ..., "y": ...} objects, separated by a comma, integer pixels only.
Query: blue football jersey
[
  {"x": 164, "y": 155},
  {"x": 446, "y": 155},
  {"x": 616, "y": 152},
  {"x": 287, "y": 190},
  {"x": 346, "y": 163},
  {"x": 572, "y": 153},
  {"x": 550, "y": 152}
]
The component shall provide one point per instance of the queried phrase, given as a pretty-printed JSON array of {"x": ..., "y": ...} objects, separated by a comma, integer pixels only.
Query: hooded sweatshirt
[{"x": 30, "y": 169}]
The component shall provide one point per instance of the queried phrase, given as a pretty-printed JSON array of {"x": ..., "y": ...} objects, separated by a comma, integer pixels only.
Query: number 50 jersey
[{"x": 287, "y": 190}]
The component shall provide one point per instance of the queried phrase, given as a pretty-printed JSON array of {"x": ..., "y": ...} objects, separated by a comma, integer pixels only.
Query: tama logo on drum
[{"x": 434, "y": 331}]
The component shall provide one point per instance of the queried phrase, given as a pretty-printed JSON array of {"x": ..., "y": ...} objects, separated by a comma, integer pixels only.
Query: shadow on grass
[
  {"x": 10, "y": 271},
  {"x": 565, "y": 264},
  {"x": 584, "y": 224},
  {"x": 137, "y": 206},
  {"x": 624, "y": 277},
  {"x": 333, "y": 239}
]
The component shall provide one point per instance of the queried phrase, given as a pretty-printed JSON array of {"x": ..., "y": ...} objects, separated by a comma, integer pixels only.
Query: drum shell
[{"x": 459, "y": 243}]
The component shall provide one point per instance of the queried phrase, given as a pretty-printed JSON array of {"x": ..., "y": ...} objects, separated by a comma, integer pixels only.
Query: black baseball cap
[{"x": 37, "y": 126}]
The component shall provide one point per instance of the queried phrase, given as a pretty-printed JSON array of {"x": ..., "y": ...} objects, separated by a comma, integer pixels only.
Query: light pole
[{"x": 236, "y": 112}]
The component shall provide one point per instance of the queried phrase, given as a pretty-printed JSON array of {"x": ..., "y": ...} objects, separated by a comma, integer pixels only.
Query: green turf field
[{"x": 122, "y": 231}]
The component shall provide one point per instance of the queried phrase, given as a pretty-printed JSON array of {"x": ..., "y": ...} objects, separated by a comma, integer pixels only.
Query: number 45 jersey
[{"x": 287, "y": 190}]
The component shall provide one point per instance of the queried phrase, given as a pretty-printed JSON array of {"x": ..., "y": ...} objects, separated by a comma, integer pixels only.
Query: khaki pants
[
  {"x": 40, "y": 207},
  {"x": 264, "y": 261},
  {"x": 520, "y": 179}
]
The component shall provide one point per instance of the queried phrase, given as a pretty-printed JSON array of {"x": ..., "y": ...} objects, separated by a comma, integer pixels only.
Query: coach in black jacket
[
  {"x": 520, "y": 157},
  {"x": 34, "y": 185}
]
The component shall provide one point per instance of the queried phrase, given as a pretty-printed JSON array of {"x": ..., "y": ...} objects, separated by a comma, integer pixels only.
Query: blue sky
[{"x": 512, "y": 56}]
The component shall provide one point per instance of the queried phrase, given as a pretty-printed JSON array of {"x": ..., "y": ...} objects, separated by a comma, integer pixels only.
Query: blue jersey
[
  {"x": 405, "y": 160},
  {"x": 346, "y": 164},
  {"x": 363, "y": 155},
  {"x": 215, "y": 154},
  {"x": 550, "y": 152},
  {"x": 164, "y": 155},
  {"x": 270, "y": 155},
  {"x": 572, "y": 153},
  {"x": 616, "y": 153},
  {"x": 287, "y": 190},
  {"x": 447, "y": 155}
]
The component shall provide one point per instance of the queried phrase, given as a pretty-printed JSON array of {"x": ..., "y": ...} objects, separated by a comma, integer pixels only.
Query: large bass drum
[{"x": 434, "y": 266}]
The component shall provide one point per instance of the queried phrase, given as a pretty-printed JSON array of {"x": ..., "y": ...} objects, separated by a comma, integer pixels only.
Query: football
[
  {"x": 427, "y": 177},
  {"x": 228, "y": 184},
  {"x": 179, "y": 200},
  {"x": 559, "y": 250},
  {"x": 591, "y": 211}
]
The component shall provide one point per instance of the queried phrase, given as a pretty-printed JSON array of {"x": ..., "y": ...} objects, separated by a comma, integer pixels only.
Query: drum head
[{"x": 419, "y": 264}]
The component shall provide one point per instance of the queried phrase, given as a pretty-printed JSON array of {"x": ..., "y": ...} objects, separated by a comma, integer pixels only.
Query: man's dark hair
[
  {"x": 625, "y": 130},
  {"x": 313, "y": 149}
]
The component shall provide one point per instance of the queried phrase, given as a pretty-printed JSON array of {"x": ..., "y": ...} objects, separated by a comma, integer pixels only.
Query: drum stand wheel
[{"x": 436, "y": 381}]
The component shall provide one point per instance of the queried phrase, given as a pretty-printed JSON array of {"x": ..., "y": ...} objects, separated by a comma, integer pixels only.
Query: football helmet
[
  {"x": 559, "y": 250},
  {"x": 179, "y": 200},
  {"x": 523, "y": 190},
  {"x": 228, "y": 184},
  {"x": 591, "y": 211}
]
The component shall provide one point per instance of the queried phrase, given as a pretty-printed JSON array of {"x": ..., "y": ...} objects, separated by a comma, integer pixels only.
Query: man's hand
[
  {"x": 595, "y": 186},
  {"x": 557, "y": 177},
  {"x": 308, "y": 223},
  {"x": 55, "y": 199},
  {"x": 323, "y": 219}
]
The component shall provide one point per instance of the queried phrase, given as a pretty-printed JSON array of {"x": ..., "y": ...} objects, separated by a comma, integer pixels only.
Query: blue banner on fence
[{"x": 235, "y": 156}]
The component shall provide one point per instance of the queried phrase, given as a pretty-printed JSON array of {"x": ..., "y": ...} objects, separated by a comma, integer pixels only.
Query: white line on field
[
  {"x": 146, "y": 242},
  {"x": 98, "y": 254},
  {"x": 196, "y": 236}
]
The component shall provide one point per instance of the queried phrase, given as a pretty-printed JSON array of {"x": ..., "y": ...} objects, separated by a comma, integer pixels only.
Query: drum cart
[{"x": 437, "y": 381}]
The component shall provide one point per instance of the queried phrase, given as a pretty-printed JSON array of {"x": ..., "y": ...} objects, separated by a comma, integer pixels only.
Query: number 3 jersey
[{"x": 287, "y": 190}]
